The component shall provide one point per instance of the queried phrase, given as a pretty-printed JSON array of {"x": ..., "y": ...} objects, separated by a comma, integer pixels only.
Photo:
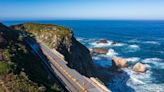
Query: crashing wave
[
  {"x": 109, "y": 43},
  {"x": 111, "y": 53},
  {"x": 119, "y": 44},
  {"x": 134, "y": 46},
  {"x": 154, "y": 62},
  {"x": 133, "y": 59}
]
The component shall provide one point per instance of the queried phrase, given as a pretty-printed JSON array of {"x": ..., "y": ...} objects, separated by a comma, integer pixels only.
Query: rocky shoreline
[
  {"x": 116, "y": 76},
  {"x": 117, "y": 62}
]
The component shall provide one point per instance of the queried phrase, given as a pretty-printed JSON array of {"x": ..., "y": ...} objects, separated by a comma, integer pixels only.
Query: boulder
[
  {"x": 139, "y": 67},
  {"x": 99, "y": 51},
  {"x": 102, "y": 41},
  {"x": 119, "y": 62},
  {"x": 113, "y": 43}
]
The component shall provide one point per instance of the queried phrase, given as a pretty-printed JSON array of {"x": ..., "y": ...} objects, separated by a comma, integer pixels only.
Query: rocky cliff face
[
  {"x": 62, "y": 39},
  {"x": 3, "y": 41}
]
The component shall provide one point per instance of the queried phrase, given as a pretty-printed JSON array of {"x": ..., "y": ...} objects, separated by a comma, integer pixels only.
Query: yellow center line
[{"x": 73, "y": 79}]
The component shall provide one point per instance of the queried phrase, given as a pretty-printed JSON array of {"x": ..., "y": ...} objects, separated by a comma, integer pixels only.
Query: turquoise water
[{"x": 137, "y": 41}]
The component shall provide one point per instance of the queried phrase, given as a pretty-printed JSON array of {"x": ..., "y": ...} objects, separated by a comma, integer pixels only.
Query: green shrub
[{"x": 4, "y": 68}]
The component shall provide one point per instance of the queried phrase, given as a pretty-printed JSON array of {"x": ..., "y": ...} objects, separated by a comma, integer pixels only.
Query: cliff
[{"x": 63, "y": 40}]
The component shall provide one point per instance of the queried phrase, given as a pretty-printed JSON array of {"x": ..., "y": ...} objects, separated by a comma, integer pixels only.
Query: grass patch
[
  {"x": 51, "y": 35},
  {"x": 4, "y": 68}
]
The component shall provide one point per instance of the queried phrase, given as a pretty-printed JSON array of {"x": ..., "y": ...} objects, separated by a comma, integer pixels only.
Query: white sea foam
[
  {"x": 111, "y": 53},
  {"x": 138, "y": 78},
  {"x": 130, "y": 78},
  {"x": 148, "y": 87},
  {"x": 109, "y": 43},
  {"x": 96, "y": 58},
  {"x": 152, "y": 42},
  {"x": 134, "y": 46},
  {"x": 151, "y": 60},
  {"x": 154, "y": 63},
  {"x": 135, "y": 81},
  {"x": 85, "y": 40},
  {"x": 89, "y": 40},
  {"x": 134, "y": 41},
  {"x": 80, "y": 39},
  {"x": 119, "y": 44},
  {"x": 133, "y": 59}
]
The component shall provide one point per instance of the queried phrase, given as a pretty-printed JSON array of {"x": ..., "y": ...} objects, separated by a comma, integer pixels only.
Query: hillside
[
  {"x": 61, "y": 39},
  {"x": 20, "y": 70}
]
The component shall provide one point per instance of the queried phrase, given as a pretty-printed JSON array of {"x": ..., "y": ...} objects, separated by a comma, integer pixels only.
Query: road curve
[{"x": 71, "y": 79}]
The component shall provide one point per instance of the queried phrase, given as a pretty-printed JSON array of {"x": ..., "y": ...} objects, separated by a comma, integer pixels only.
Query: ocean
[{"x": 136, "y": 41}]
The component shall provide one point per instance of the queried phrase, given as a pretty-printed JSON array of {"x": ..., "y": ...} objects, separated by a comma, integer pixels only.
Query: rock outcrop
[
  {"x": 99, "y": 51},
  {"x": 119, "y": 63},
  {"x": 62, "y": 39},
  {"x": 102, "y": 41},
  {"x": 139, "y": 67}
]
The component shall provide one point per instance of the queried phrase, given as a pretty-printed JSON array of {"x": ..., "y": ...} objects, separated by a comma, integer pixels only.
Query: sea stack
[
  {"x": 118, "y": 62},
  {"x": 102, "y": 41},
  {"x": 139, "y": 67},
  {"x": 99, "y": 51}
]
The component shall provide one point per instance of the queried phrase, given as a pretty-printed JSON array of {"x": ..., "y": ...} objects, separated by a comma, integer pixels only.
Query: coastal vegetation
[
  {"x": 20, "y": 69},
  {"x": 50, "y": 34}
]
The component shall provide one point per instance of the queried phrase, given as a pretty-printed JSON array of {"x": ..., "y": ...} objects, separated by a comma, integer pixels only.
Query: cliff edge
[{"x": 63, "y": 40}]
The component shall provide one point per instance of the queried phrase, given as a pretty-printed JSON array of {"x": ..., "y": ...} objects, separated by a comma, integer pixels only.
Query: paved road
[{"x": 71, "y": 79}]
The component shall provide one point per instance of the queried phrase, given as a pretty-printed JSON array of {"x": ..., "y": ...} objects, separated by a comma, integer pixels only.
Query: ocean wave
[
  {"x": 135, "y": 81},
  {"x": 134, "y": 46},
  {"x": 148, "y": 87},
  {"x": 111, "y": 53},
  {"x": 162, "y": 52},
  {"x": 161, "y": 39},
  {"x": 134, "y": 41},
  {"x": 129, "y": 78},
  {"x": 139, "y": 78},
  {"x": 148, "y": 60},
  {"x": 154, "y": 62},
  {"x": 152, "y": 42},
  {"x": 109, "y": 43},
  {"x": 119, "y": 44},
  {"x": 85, "y": 40},
  {"x": 133, "y": 59},
  {"x": 80, "y": 39}
]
